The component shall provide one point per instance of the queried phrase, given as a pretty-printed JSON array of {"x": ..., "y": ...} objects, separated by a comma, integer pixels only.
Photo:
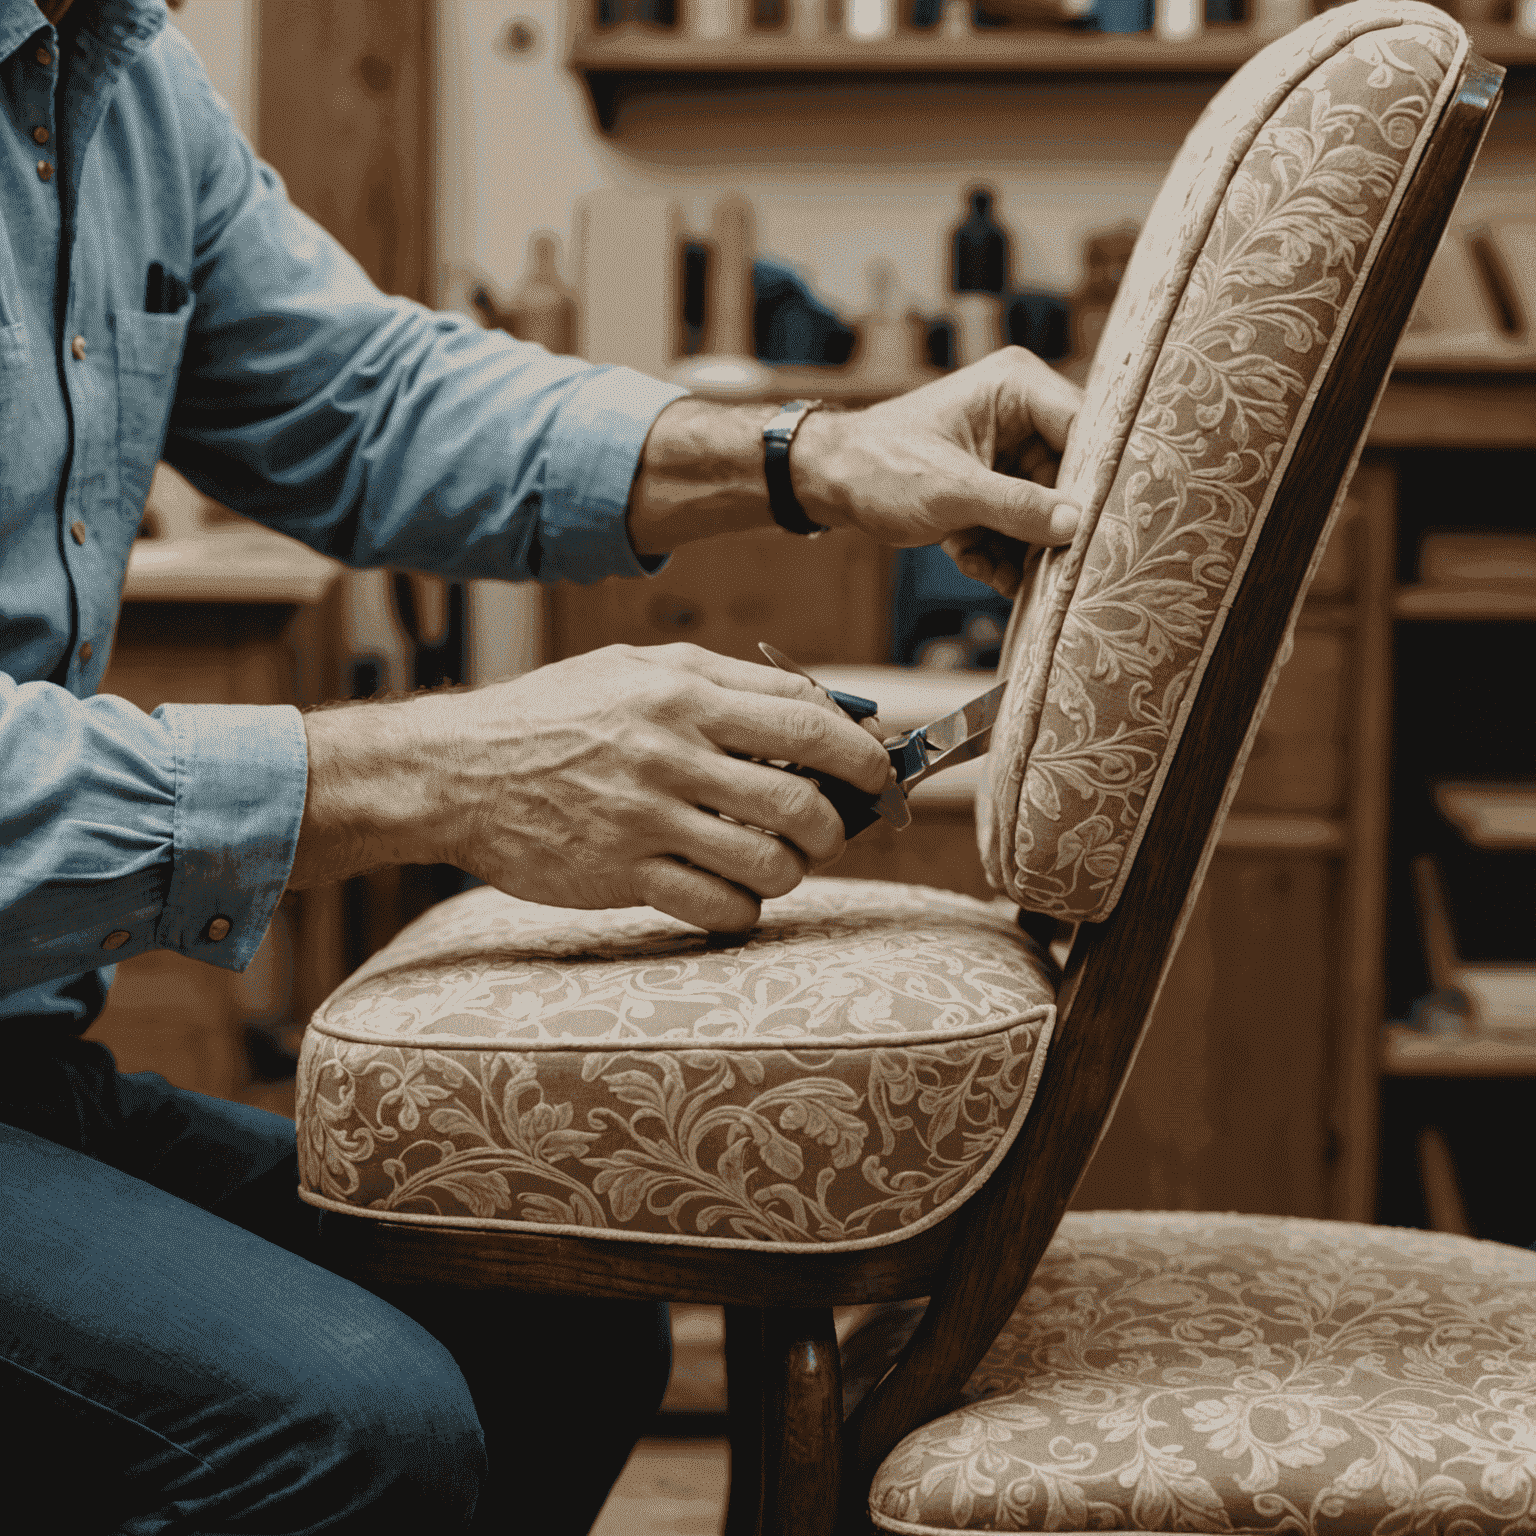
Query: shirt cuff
[
  {"x": 241, "y": 775},
  {"x": 594, "y": 451}
]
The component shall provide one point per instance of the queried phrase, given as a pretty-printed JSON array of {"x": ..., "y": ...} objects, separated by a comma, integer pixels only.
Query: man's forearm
[{"x": 701, "y": 474}]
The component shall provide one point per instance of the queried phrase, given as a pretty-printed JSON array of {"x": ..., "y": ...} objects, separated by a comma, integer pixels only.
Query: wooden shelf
[
  {"x": 1496, "y": 816},
  {"x": 1456, "y": 409},
  {"x": 1465, "y": 604},
  {"x": 242, "y": 563},
  {"x": 627, "y": 61},
  {"x": 1407, "y": 1053}
]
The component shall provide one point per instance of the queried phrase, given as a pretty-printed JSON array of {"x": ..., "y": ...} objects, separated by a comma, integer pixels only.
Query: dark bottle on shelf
[{"x": 981, "y": 249}]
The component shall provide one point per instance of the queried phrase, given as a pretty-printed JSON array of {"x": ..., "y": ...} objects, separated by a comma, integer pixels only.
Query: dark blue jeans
[{"x": 172, "y": 1359}]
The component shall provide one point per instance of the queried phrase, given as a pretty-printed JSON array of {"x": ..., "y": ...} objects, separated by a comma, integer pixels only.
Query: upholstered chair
[{"x": 884, "y": 1093}]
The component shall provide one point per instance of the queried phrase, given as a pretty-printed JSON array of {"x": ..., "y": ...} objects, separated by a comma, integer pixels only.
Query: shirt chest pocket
[{"x": 149, "y": 349}]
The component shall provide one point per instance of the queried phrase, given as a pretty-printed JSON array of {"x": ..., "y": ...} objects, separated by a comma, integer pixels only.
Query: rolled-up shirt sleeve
[
  {"x": 373, "y": 429},
  {"x": 126, "y": 832}
]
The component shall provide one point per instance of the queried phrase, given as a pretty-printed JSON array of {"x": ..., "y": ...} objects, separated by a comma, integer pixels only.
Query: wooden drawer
[{"x": 823, "y": 599}]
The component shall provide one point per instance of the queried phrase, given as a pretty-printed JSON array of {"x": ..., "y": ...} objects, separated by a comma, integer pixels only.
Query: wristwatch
[{"x": 782, "y": 501}]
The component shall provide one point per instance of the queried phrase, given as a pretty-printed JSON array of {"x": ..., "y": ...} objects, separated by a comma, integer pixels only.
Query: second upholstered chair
[{"x": 889, "y": 1092}]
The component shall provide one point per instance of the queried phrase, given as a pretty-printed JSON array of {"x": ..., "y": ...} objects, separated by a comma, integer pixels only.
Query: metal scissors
[{"x": 958, "y": 737}]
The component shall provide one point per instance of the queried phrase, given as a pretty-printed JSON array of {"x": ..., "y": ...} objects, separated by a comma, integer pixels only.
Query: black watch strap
[{"x": 782, "y": 501}]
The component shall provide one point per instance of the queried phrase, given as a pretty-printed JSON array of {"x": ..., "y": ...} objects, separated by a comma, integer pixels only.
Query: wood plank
[
  {"x": 1407, "y": 1053},
  {"x": 1353, "y": 1111},
  {"x": 1447, "y": 411},
  {"x": 1483, "y": 603},
  {"x": 344, "y": 113}
]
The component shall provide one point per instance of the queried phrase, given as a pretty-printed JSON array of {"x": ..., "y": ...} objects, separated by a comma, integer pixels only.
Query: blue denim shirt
[{"x": 286, "y": 386}]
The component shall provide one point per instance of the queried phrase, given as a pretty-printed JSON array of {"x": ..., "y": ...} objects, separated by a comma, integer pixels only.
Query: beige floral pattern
[
  {"x": 1242, "y": 1373},
  {"x": 845, "y": 1075},
  {"x": 1224, "y": 327}
]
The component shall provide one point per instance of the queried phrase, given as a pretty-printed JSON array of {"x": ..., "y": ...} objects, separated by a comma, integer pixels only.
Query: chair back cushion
[{"x": 1241, "y": 285}]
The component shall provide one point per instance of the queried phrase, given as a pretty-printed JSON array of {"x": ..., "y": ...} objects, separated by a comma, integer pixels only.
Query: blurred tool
[
  {"x": 713, "y": 20},
  {"x": 941, "y": 618},
  {"x": 541, "y": 308},
  {"x": 1477, "y": 308},
  {"x": 790, "y": 324},
  {"x": 627, "y": 261},
  {"x": 1105, "y": 256},
  {"x": 1496, "y": 997},
  {"x": 1175, "y": 20},
  {"x": 1271, "y": 18},
  {"x": 727, "y": 367},
  {"x": 889, "y": 350},
  {"x": 980, "y": 273}
]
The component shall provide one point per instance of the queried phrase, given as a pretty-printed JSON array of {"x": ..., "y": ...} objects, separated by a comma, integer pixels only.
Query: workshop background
[{"x": 770, "y": 198}]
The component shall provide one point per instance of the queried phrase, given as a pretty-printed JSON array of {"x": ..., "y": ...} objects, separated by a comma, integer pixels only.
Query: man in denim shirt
[{"x": 163, "y": 1331}]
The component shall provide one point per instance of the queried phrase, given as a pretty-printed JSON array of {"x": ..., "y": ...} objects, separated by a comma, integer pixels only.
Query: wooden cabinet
[{"x": 822, "y": 599}]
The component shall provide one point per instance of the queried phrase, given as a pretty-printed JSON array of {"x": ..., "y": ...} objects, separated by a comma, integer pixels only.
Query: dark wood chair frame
[{"x": 801, "y": 1458}]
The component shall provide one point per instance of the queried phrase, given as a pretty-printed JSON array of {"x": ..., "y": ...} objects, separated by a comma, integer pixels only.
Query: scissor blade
[
  {"x": 970, "y": 720},
  {"x": 954, "y": 738}
]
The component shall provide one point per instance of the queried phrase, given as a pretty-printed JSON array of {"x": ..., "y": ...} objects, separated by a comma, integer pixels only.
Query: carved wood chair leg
[
  {"x": 744, "y": 1408},
  {"x": 802, "y": 1422}
]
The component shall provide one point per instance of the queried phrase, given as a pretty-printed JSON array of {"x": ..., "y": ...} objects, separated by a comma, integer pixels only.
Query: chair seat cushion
[
  {"x": 844, "y": 1075},
  {"x": 1242, "y": 1373}
]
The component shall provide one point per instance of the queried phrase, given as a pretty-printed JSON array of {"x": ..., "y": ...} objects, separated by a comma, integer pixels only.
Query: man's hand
[
  {"x": 612, "y": 779},
  {"x": 966, "y": 461}
]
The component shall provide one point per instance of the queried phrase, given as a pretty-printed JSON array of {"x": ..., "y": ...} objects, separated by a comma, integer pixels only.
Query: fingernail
[{"x": 1064, "y": 521}]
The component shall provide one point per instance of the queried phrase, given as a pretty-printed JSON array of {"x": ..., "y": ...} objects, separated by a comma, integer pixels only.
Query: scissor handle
[{"x": 857, "y": 809}]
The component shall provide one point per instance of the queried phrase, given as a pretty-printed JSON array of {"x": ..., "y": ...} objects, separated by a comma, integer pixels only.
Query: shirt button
[
  {"x": 44, "y": 170},
  {"x": 218, "y": 929},
  {"x": 43, "y": 56},
  {"x": 77, "y": 348},
  {"x": 87, "y": 650},
  {"x": 39, "y": 135},
  {"x": 77, "y": 531},
  {"x": 116, "y": 939}
]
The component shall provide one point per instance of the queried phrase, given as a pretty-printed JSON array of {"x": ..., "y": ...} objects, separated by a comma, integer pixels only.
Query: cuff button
[
  {"x": 116, "y": 939},
  {"x": 217, "y": 929}
]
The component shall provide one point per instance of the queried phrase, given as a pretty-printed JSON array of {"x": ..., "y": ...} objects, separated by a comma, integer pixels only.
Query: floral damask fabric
[
  {"x": 845, "y": 1075},
  {"x": 1242, "y": 1373},
  {"x": 1223, "y": 329}
]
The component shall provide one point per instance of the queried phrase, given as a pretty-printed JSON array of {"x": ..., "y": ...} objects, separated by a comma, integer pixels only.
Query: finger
[
  {"x": 1037, "y": 461},
  {"x": 756, "y": 861},
  {"x": 757, "y": 795},
  {"x": 695, "y": 896},
  {"x": 732, "y": 672},
  {"x": 1033, "y": 514},
  {"x": 1035, "y": 398},
  {"x": 791, "y": 731},
  {"x": 991, "y": 557}
]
